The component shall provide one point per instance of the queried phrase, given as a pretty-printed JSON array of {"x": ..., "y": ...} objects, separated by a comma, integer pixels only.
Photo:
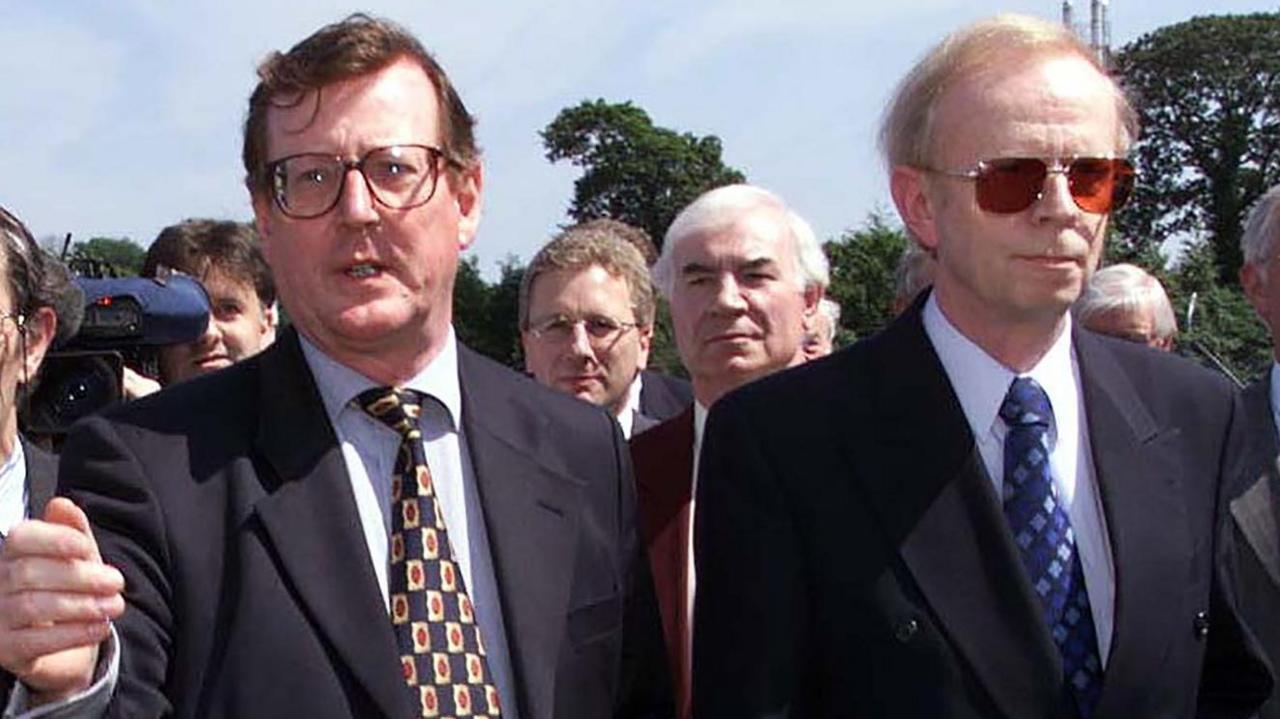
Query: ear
[
  {"x": 262, "y": 220},
  {"x": 526, "y": 343},
  {"x": 646, "y": 344},
  {"x": 40, "y": 327},
  {"x": 1255, "y": 288},
  {"x": 468, "y": 188},
  {"x": 812, "y": 297},
  {"x": 910, "y": 189}
]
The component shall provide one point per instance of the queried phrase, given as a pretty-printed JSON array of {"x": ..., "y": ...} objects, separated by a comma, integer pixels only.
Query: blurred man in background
[{"x": 1125, "y": 301}]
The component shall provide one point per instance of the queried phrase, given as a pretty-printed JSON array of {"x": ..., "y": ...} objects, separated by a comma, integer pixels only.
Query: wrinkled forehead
[
  {"x": 397, "y": 104},
  {"x": 759, "y": 235}
]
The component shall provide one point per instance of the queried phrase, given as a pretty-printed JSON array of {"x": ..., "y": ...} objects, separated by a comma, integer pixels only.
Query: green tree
[
  {"x": 485, "y": 316},
  {"x": 633, "y": 170},
  {"x": 863, "y": 261},
  {"x": 122, "y": 256},
  {"x": 1208, "y": 95}
]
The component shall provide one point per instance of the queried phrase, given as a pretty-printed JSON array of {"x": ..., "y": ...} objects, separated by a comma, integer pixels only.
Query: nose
[
  {"x": 729, "y": 295},
  {"x": 1055, "y": 203},
  {"x": 580, "y": 341},
  {"x": 356, "y": 203}
]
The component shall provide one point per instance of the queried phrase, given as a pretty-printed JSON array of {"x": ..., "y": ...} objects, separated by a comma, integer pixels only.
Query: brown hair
[
  {"x": 197, "y": 246},
  {"x": 354, "y": 47},
  {"x": 584, "y": 246}
]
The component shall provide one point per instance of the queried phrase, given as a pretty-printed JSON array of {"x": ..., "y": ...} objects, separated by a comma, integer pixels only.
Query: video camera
[{"x": 126, "y": 319}]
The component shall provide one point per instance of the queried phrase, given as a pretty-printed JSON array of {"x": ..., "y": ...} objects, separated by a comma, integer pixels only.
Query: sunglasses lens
[
  {"x": 1011, "y": 184},
  {"x": 1100, "y": 184}
]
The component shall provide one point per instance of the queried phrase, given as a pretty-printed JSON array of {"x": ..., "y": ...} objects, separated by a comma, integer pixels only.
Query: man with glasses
[
  {"x": 982, "y": 511},
  {"x": 366, "y": 519},
  {"x": 586, "y": 321},
  {"x": 743, "y": 274}
]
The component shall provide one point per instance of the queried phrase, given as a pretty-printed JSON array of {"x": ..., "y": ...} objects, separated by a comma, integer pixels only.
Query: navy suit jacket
[
  {"x": 1254, "y": 529},
  {"x": 226, "y": 504},
  {"x": 663, "y": 396},
  {"x": 854, "y": 561}
]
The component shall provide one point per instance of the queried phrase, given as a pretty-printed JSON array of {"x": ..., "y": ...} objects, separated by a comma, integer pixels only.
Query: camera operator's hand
[
  {"x": 56, "y": 600},
  {"x": 137, "y": 385}
]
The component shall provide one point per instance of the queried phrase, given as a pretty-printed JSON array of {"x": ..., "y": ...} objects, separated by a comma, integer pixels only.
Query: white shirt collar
[
  {"x": 13, "y": 488},
  {"x": 339, "y": 384},
  {"x": 1275, "y": 395},
  {"x": 630, "y": 408},
  {"x": 981, "y": 382}
]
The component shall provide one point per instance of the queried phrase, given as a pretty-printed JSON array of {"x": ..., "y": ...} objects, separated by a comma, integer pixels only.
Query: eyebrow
[{"x": 698, "y": 268}]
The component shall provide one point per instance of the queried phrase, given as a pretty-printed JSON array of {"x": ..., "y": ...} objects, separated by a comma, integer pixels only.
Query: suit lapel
[
  {"x": 310, "y": 519},
  {"x": 1146, "y": 521},
  {"x": 936, "y": 499},
  {"x": 1257, "y": 514},
  {"x": 531, "y": 515}
]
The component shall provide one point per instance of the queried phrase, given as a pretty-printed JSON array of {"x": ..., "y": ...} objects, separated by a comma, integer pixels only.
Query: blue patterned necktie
[
  {"x": 442, "y": 656},
  {"x": 1042, "y": 530}
]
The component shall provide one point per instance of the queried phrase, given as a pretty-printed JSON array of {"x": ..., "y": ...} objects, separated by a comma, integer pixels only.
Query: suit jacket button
[
  {"x": 906, "y": 630},
  {"x": 1200, "y": 625}
]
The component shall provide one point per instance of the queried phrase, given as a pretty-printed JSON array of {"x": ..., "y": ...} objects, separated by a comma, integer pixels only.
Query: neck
[
  {"x": 392, "y": 364},
  {"x": 1017, "y": 343}
]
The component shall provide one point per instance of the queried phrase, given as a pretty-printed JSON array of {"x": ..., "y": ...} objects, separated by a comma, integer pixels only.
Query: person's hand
[
  {"x": 137, "y": 385},
  {"x": 56, "y": 600}
]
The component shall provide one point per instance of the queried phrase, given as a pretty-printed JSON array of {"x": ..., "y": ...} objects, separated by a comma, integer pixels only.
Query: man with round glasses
[
  {"x": 586, "y": 321},
  {"x": 367, "y": 519},
  {"x": 982, "y": 511}
]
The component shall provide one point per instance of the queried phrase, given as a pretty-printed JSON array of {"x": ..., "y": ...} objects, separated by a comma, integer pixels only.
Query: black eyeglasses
[
  {"x": 1012, "y": 184},
  {"x": 309, "y": 184},
  {"x": 602, "y": 330}
]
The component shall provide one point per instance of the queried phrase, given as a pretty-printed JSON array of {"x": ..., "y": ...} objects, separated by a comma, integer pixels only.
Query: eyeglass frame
[
  {"x": 540, "y": 329},
  {"x": 1053, "y": 166},
  {"x": 436, "y": 154}
]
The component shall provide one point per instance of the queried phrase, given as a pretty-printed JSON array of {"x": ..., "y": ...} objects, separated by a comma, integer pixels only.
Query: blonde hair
[{"x": 906, "y": 130}]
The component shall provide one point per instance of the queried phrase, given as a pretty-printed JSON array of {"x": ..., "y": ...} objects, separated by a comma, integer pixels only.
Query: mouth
[
  {"x": 363, "y": 270},
  {"x": 212, "y": 362}
]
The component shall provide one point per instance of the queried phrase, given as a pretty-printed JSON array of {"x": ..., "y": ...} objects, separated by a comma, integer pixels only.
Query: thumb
[{"x": 63, "y": 511}]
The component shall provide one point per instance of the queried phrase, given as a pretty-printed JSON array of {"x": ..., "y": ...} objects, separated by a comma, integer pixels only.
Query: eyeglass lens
[
  {"x": 599, "y": 329},
  {"x": 400, "y": 177},
  {"x": 1097, "y": 184}
]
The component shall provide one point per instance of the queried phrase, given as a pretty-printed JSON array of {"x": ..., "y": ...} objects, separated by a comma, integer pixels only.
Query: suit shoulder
[{"x": 194, "y": 403}]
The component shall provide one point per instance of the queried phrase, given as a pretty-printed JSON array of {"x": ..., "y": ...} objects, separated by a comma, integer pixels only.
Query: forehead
[
  {"x": 395, "y": 105},
  {"x": 590, "y": 287},
  {"x": 221, "y": 284},
  {"x": 758, "y": 235},
  {"x": 1038, "y": 106}
]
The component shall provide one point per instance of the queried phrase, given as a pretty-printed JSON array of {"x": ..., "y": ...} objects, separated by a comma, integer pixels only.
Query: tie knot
[
  {"x": 399, "y": 409},
  {"x": 1026, "y": 404}
]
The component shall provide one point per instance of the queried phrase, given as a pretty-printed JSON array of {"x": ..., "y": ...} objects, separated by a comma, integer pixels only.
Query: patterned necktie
[
  {"x": 441, "y": 653},
  {"x": 1043, "y": 533}
]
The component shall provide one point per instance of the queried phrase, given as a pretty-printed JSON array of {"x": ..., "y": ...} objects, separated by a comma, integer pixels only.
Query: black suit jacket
[
  {"x": 226, "y": 504},
  {"x": 663, "y": 396},
  {"x": 853, "y": 559},
  {"x": 1254, "y": 529},
  {"x": 42, "y": 477}
]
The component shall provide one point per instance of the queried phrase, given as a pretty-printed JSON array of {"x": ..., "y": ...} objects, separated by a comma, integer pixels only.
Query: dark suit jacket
[
  {"x": 663, "y": 459},
  {"x": 853, "y": 559},
  {"x": 226, "y": 504},
  {"x": 1254, "y": 530},
  {"x": 42, "y": 477},
  {"x": 663, "y": 396}
]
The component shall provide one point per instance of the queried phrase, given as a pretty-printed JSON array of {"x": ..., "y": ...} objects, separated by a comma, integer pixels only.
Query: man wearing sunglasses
[
  {"x": 982, "y": 511},
  {"x": 367, "y": 519}
]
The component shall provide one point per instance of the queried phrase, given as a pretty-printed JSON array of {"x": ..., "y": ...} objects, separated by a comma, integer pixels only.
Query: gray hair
[
  {"x": 1130, "y": 289},
  {"x": 830, "y": 309},
  {"x": 1257, "y": 243},
  {"x": 719, "y": 208},
  {"x": 913, "y": 273}
]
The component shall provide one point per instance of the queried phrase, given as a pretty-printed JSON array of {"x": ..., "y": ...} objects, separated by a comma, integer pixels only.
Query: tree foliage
[
  {"x": 1208, "y": 95},
  {"x": 122, "y": 257},
  {"x": 485, "y": 316},
  {"x": 862, "y": 273},
  {"x": 633, "y": 170}
]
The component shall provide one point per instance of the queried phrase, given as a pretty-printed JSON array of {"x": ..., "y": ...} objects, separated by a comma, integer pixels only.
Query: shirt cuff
[{"x": 88, "y": 704}]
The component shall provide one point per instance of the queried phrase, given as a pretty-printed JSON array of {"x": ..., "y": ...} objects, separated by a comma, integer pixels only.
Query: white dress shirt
[
  {"x": 981, "y": 383},
  {"x": 1275, "y": 397},
  {"x": 13, "y": 490},
  {"x": 691, "y": 576},
  {"x": 627, "y": 417}
]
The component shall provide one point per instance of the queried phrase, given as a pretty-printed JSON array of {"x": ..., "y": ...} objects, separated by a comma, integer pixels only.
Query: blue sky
[{"x": 118, "y": 118}]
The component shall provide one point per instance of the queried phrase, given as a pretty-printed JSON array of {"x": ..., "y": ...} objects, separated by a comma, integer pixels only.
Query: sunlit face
[
  {"x": 997, "y": 271},
  {"x": 1136, "y": 325},
  {"x": 239, "y": 327},
  {"x": 598, "y": 371},
  {"x": 739, "y": 303},
  {"x": 370, "y": 285}
]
